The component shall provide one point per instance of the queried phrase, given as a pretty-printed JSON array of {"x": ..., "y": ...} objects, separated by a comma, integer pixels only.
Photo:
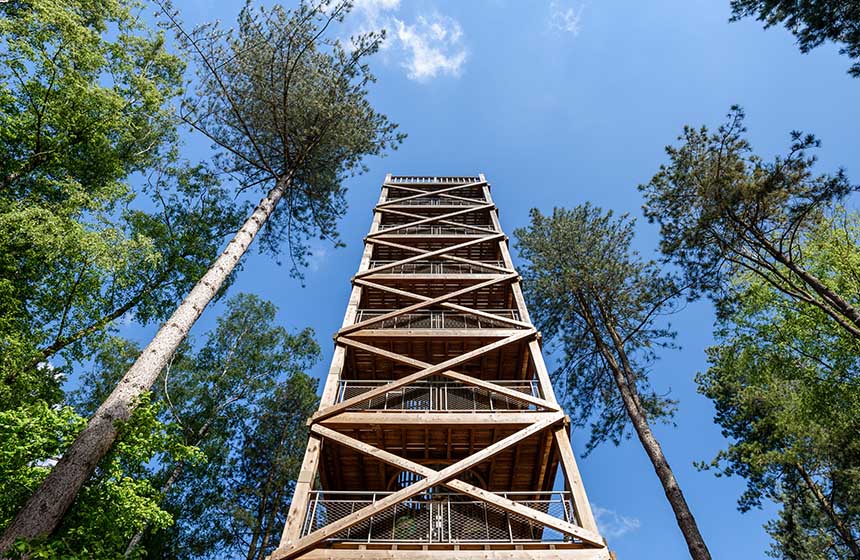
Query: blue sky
[{"x": 564, "y": 102}]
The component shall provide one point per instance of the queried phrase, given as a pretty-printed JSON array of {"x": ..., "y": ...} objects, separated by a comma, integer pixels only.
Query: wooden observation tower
[{"x": 438, "y": 434}]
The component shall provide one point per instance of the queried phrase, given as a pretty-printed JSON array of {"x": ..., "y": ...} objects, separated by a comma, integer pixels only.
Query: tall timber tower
[{"x": 438, "y": 433}]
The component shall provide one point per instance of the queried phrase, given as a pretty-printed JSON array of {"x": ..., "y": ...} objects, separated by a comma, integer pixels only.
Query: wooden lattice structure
[{"x": 438, "y": 433}]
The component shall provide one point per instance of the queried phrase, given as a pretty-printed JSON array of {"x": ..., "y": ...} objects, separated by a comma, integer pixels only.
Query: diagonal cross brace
[
  {"x": 463, "y": 378},
  {"x": 419, "y": 375},
  {"x": 436, "y": 193},
  {"x": 438, "y": 219},
  {"x": 432, "y": 219},
  {"x": 440, "y": 193},
  {"x": 470, "y": 490},
  {"x": 454, "y": 306},
  {"x": 439, "y": 477},
  {"x": 425, "y": 253},
  {"x": 420, "y": 305}
]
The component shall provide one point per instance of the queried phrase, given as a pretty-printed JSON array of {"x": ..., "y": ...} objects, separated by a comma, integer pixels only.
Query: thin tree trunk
[
  {"x": 629, "y": 396},
  {"x": 165, "y": 488},
  {"x": 843, "y": 531},
  {"x": 59, "y": 344},
  {"x": 270, "y": 521},
  {"x": 835, "y": 305},
  {"x": 44, "y": 511}
]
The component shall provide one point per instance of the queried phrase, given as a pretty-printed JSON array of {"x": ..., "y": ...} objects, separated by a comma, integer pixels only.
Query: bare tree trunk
[
  {"x": 629, "y": 395},
  {"x": 843, "y": 531},
  {"x": 44, "y": 511}
]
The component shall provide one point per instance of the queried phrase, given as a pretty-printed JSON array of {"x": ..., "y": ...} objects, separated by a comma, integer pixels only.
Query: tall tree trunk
[
  {"x": 44, "y": 511},
  {"x": 843, "y": 531},
  {"x": 630, "y": 398}
]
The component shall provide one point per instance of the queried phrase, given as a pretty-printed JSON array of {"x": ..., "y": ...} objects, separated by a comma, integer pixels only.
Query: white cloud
[
  {"x": 316, "y": 258},
  {"x": 567, "y": 19},
  {"x": 432, "y": 46},
  {"x": 612, "y": 524},
  {"x": 428, "y": 46}
]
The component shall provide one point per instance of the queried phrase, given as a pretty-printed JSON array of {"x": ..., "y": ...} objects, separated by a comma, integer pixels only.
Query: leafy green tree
[
  {"x": 724, "y": 211},
  {"x": 289, "y": 110},
  {"x": 785, "y": 381},
  {"x": 592, "y": 294},
  {"x": 813, "y": 22},
  {"x": 117, "y": 501},
  {"x": 76, "y": 251},
  {"x": 223, "y": 399}
]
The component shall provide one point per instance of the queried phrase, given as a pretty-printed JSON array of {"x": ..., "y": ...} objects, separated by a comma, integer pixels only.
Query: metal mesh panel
[
  {"x": 437, "y": 319},
  {"x": 436, "y": 267},
  {"x": 439, "y": 396},
  {"x": 440, "y": 517}
]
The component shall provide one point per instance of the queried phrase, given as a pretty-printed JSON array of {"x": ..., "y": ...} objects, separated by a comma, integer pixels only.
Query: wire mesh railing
[
  {"x": 437, "y": 230},
  {"x": 440, "y": 396},
  {"x": 438, "y": 319},
  {"x": 438, "y": 267},
  {"x": 435, "y": 201},
  {"x": 432, "y": 179},
  {"x": 437, "y": 517}
]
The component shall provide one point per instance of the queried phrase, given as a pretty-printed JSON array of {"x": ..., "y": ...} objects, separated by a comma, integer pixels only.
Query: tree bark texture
[
  {"x": 630, "y": 397},
  {"x": 44, "y": 511}
]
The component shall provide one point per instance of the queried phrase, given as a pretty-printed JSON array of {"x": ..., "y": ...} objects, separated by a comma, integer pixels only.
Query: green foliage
[
  {"x": 287, "y": 105},
  {"x": 242, "y": 399},
  {"x": 785, "y": 381},
  {"x": 723, "y": 211},
  {"x": 580, "y": 263},
  {"x": 84, "y": 105},
  {"x": 813, "y": 22},
  {"x": 115, "y": 503}
]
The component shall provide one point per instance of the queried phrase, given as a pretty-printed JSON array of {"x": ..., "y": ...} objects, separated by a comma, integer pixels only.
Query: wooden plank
[
  {"x": 501, "y": 502},
  {"x": 431, "y": 219},
  {"x": 413, "y": 418},
  {"x": 425, "y": 193},
  {"x": 467, "y": 379},
  {"x": 423, "y": 304},
  {"x": 447, "y": 305},
  {"x": 571, "y": 472},
  {"x": 561, "y": 552},
  {"x": 440, "y": 477},
  {"x": 417, "y": 376},
  {"x": 426, "y": 254}
]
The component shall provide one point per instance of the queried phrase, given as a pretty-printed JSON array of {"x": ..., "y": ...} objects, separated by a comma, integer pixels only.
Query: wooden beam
[
  {"x": 559, "y": 553},
  {"x": 417, "y": 376},
  {"x": 440, "y": 477},
  {"x": 442, "y": 419},
  {"x": 463, "y": 378},
  {"x": 424, "y": 255},
  {"x": 464, "y": 487},
  {"x": 571, "y": 471}
]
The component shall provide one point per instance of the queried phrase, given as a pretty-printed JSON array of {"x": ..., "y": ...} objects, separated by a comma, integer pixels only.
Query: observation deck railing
[
  {"x": 437, "y": 267},
  {"x": 435, "y": 201},
  {"x": 438, "y": 319},
  {"x": 432, "y": 180},
  {"x": 438, "y": 230},
  {"x": 436, "y": 517},
  {"x": 440, "y": 396}
]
